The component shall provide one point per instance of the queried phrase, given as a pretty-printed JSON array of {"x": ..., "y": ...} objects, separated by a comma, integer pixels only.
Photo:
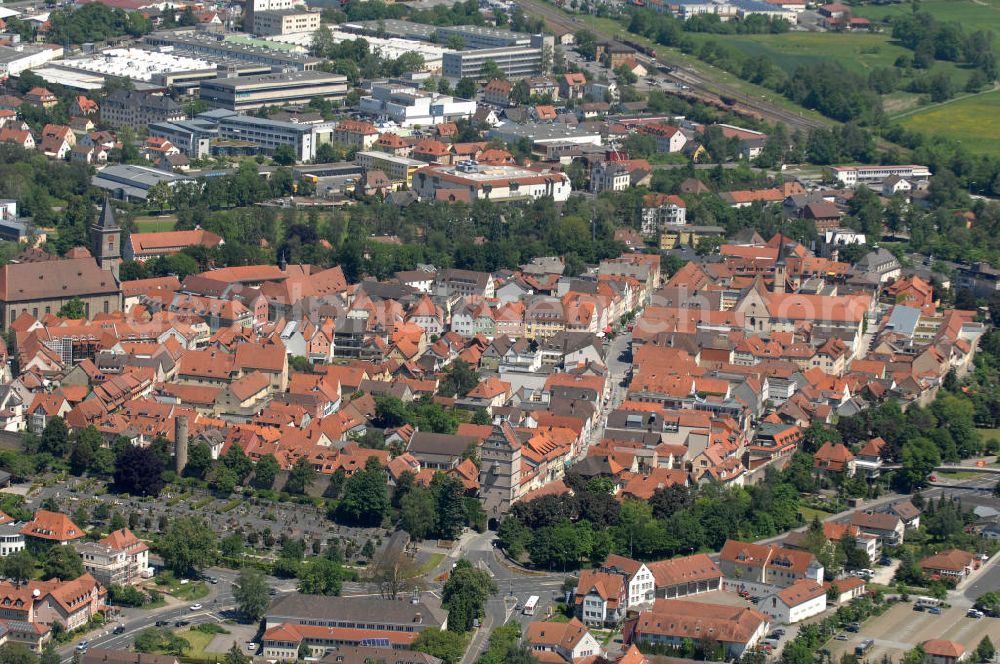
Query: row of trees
[
  {"x": 931, "y": 39},
  {"x": 563, "y": 532}
]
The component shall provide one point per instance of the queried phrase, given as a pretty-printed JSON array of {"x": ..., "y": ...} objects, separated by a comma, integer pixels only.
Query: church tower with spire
[
  {"x": 780, "y": 267},
  {"x": 105, "y": 240}
]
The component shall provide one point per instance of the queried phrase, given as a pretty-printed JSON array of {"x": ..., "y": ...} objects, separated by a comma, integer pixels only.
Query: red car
[{"x": 932, "y": 478}]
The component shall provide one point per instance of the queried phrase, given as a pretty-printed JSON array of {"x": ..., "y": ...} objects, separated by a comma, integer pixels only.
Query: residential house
[
  {"x": 567, "y": 642},
  {"x": 497, "y": 92},
  {"x": 834, "y": 458},
  {"x": 952, "y": 565},
  {"x": 907, "y": 512},
  {"x": 638, "y": 577},
  {"x": 52, "y": 527},
  {"x": 19, "y": 137},
  {"x": 888, "y": 528},
  {"x": 601, "y": 597},
  {"x": 119, "y": 559},
  {"x": 40, "y": 97},
  {"x": 572, "y": 85},
  {"x": 803, "y": 599},
  {"x": 868, "y": 460},
  {"x": 659, "y": 210},
  {"x": 767, "y": 564},
  {"x": 57, "y": 141}
]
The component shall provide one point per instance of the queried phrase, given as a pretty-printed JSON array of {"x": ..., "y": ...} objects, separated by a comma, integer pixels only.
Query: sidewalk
[{"x": 976, "y": 575}]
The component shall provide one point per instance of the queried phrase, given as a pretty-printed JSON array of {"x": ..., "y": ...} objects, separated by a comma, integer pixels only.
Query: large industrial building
[
  {"x": 409, "y": 107},
  {"x": 15, "y": 59},
  {"x": 513, "y": 61},
  {"x": 232, "y": 48},
  {"x": 472, "y": 36},
  {"x": 132, "y": 183},
  {"x": 247, "y": 93},
  {"x": 388, "y": 47},
  {"x": 469, "y": 180}
]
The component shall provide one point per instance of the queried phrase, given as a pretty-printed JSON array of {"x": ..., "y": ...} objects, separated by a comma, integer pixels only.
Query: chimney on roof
[{"x": 180, "y": 443}]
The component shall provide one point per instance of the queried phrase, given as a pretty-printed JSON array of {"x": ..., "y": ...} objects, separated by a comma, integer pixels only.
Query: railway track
[{"x": 705, "y": 89}]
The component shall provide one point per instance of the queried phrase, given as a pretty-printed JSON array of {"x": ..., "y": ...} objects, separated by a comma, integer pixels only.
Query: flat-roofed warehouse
[
  {"x": 234, "y": 48},
  {"x": 247, "y": 93}
]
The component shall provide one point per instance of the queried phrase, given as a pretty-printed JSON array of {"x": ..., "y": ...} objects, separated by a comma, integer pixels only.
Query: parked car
[
  {"x": 853, "y": 627},
  {"x": 975, "y": 613},
  {"x": 162, "y": 623},
  {"x": 82, "y": 646},
  {"x": 840, "y": 637},
  {"x": 935, "y": 610},
  {"x": 182, "y": 623}
]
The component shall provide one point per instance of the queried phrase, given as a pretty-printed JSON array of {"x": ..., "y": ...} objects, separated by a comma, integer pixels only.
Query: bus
[
  {"x": 863, "y": 647},
  {"x": 530, "y": 605},
  {"x": 922, "y": 603}
]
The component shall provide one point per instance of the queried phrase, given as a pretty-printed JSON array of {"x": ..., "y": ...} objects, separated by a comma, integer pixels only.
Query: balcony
[{"x": 868, "y": 467}]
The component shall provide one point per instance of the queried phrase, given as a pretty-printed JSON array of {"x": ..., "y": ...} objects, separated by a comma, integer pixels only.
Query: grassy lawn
[
  {"x": 810, "y": 513},
  {"x": 432, "y": 561},
  {"x": 972, "y": 14},
  {"x": 989, "y": 434},
  {"x": 156, "y": 224},
  {"x": 199, "y": 641},
  {"x": 958, "y": 475},
  {"x": 972, "y": 120},
  {"x": 860, "y": 52},
  {"x": 191, "y": 591}
]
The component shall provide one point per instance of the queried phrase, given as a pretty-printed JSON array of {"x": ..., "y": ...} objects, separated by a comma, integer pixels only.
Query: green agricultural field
[
  {"x": 973, "y": 120},
  {"x": 860, "y": 52},
  {"x": 972, "y": 14}
]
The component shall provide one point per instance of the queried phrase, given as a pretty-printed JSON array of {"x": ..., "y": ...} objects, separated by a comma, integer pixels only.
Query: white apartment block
[
  {"x": 853, "y": 175},
  {"x": 410, "y": 107},
  {"x": 513, "y": 61}
]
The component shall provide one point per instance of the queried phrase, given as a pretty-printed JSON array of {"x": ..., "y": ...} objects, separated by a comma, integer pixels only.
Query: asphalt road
[
  {"x": 514, "y": 587},
  {"x": 218, "y": 605}
]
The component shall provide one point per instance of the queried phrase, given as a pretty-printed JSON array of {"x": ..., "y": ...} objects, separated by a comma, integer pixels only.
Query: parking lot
[{"x": 901, "y": 628}]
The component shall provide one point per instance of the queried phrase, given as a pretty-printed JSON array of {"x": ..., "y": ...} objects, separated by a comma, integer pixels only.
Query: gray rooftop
[
  {"x": 903, "y": 320},
  {"x": 10, "y": 54},
  {"x": 541, "y": 132},
  {"x": 235, "y": 82},
  {"x": 135, "y": 181},
  {"x": 295, "y": 607}
]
